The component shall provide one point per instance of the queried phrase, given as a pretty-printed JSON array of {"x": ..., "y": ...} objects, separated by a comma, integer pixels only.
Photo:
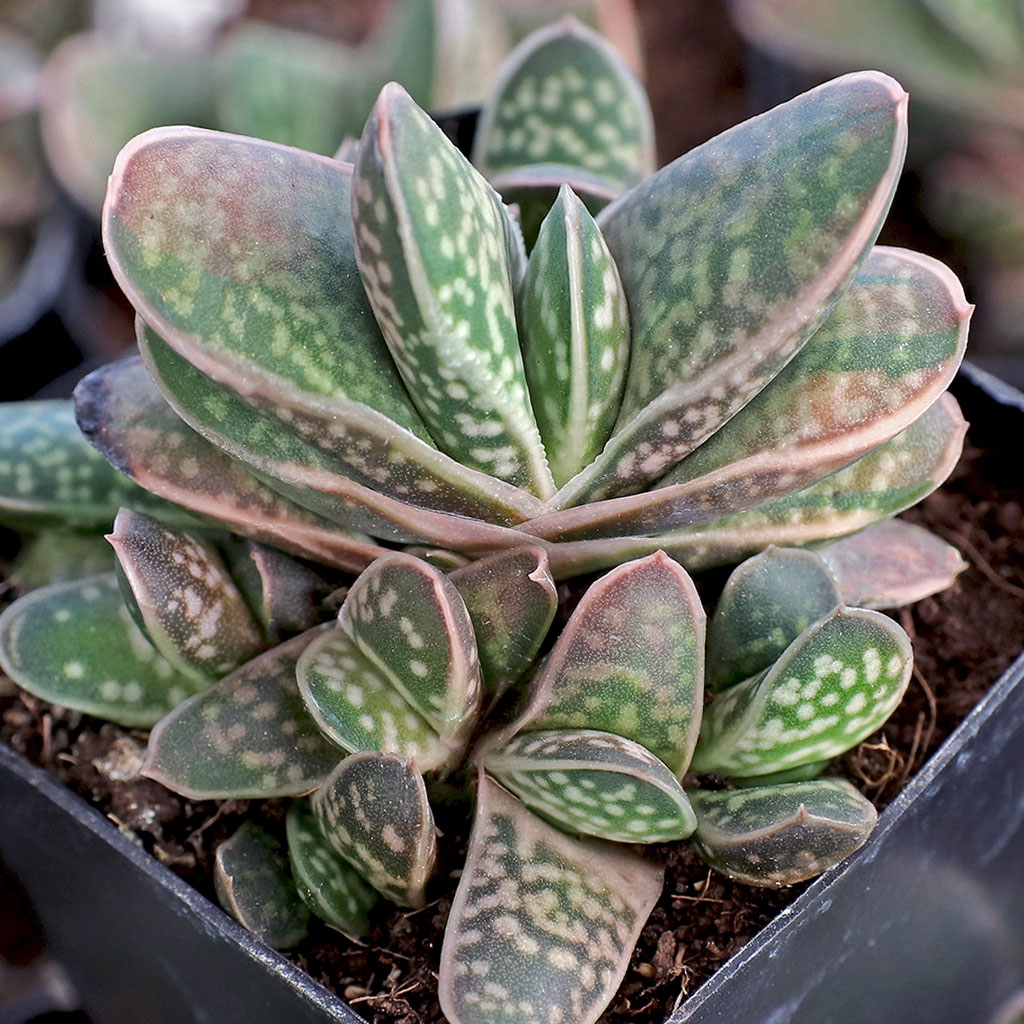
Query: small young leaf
[
  {"x": 542, "y": 926},
  {"x": 594, "y": 783},
  {"x": 630, "y": 662},
  {"x": 834, "y": 685},
  {"x": 253, "y": 884},
  {"x": 373, "y": 810},
  {"x": 779, "y": 835},
  {"x": 327, "y": 883},
  {"x": 75, "y": 644},
  {"x": 191, "y": 609},
  {"x": 248, "y": 736}
]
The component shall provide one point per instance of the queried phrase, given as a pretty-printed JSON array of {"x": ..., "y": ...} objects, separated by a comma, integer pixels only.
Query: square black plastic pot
[{"x": 925, "y": 923}]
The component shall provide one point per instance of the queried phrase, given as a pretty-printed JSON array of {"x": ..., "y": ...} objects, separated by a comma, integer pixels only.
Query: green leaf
[
  {"x": 432, "y": 249},
  {"x": 594, "y": 783},
  {"x": 802, "y": 773},
  {"x": 254, "y": 886},
  {"x": 542, "y": 926},
  {"x": 191, "y": 609},
  {"x": 75, "y": 644},
  {"x": 992, "y": 27},
  {"x": 833, "y": 686},
  {"x": 57, "y": 556},
  {"x": 779, "y": 835},
  {"x": 511, "y": 600},
  {"x": 247, "y": 737},
  {"x": 891, "y": 564},
  {"x": 732, "y": 256},
  {"x": 373, "y": 810},
  {"x": 630, "y": 661},
  {"x": 575, "y": 336},
  {"x": 328, "y": 885}
]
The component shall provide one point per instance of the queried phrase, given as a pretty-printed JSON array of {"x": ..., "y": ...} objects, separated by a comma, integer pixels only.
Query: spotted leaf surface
[
  {"x": 247, "y": 737},
  {"x": 542, "y": 925},
  {"x": 594, "y": 783},
  {"x": 575, "y": 336},
  {"x": 75, "y": 644},
  {"x": 834, "y": 685},
  {"x": 731, "y": 257},
  {"x": 875, "y": 487},
  {"x": 192, "y": 611},
  {"x": 779, "y": 835},
  {"x": 432, "y": 250},
  {"x": 327, "y": 883},
  {"x": 373, "y": 810},
  {"x": 123, "y": 415},
  {"x": 767, "y": 602},
  {"x": 892, "y": 564},
  {"x": 630, "y": 662},
  {"x": 254, "y": 885},
  {"x": 511, "y": 600},
  {"x": 565, "y": 96}
]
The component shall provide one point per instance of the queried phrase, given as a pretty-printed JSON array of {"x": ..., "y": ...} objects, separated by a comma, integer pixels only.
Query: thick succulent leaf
[
  {"x": 56, "y": 556},
  {"x": 802, "y": 773},
  {"x": 575, "y": 336},
  {"x": 432, "y": 250},
  {"x": 767, "y": 602},
  {"x": 992, "y": 27},
  {"x": 247, "y": 737},
  {"x": 511, "y": 600},
  {"x": 889, "y": 348},
  {"x": 254, "y": 885},
  {"x": 75, "y": 644},
  {"x": 472, "y": 41},
  {"x": 732, "y": 256},
  {"x": 876, "y": 487},
  {"x": 327, "y": 883},
  {"x": 779, "y": 835},
  {"x": 240, "y": 254},
  {"x": 439, "y": 558},
  {"x": 630, "y": 661},
  {"x": 51, "y": 475},
  {"x": 373, "y": 810},
  {"x": 192, "y": 612},
  {"x": 99, "y": 93},
  {"x": 122, "y": 414},
  {"x": 542, "y": 925},
  {"x": 566, "y": 96},
  {"x": 891, "y": 564},
  {"x": 594, "y": 783},
  {"x": 834, "y": 685}
]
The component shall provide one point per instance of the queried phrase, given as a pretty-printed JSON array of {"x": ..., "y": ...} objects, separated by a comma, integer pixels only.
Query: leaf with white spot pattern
[
  {"x": 727, "y": 274},
  {"x": 630, "y": 661},
  {"x": 75, "y": 644},
  {"x": 432, "y": 247},
  {"x": 833, "y": 686},
  {"x": 247, "y": 737},
  {"x": 254, "y": 885},
  {"x": 327, "y": 883},
  {"x": 783, "y": 834},
  {"x": 575, "y": 336},
  {"x": 191, "y": 609},
  {"x": 373, "y": 810},
  {"x": 542, "y": 926},
  {"x": 581, "y": 780},
  {"x": 511, "y": 600}
]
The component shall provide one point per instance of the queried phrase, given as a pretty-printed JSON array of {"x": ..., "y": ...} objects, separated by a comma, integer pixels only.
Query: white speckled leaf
[
  {"x": 327, "y": 883},
  {"x": 191, "y": 609},
  {"x": 247, "y": 737},
  {"x": 575, "y": 336},
  {"x": 542, "y": 926},
  {"x": 630, "y": 661},
  {"x": 780, "y": 835},
  {"x": 594, "y": 783},
  {"x": 834, "y": 685},
  {"x": 254, "y": 885},
  {"x": 75, "y": 644},
  {"x": 373, "y": 810},
  {"x": 432, "y": 248}
]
